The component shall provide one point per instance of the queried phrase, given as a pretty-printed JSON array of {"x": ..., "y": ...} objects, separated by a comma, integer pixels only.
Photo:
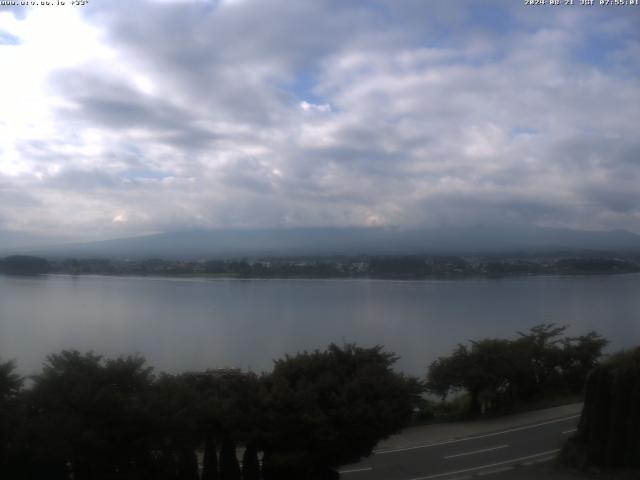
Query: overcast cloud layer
[{"x": 125, "y": 118}]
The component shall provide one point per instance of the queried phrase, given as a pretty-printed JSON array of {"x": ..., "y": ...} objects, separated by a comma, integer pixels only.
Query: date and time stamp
[
  {"x": 531, "y": 3},
  {"x": 553, "y": 3},
  {"x": 43, "y": 3},
  {"x": 584, "y": 3}
]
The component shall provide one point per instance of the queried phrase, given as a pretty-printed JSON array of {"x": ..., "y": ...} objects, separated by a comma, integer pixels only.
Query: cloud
[{"x": 161, "y": 115}]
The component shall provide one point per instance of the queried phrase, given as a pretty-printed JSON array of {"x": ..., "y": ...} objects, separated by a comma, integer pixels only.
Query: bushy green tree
[
  {"x": 175, "y": 429},
  {"x": 609, "y": 428},
  {"x": 328, "y": 408},
  {"x": 10, "y": 381},
  {"x": 229, "y": 466},
  {"x": 541, "y": 346},
  {"x": 12, "y": 422},
  {"x": 579, "y": 356},
  {"x": 484, "y": 370},
  {"x": 447, "y": 374},
  {"x": 250, "y": 463},
  {"x": 188, "y": 464},
  {"x": 91, "y": 414},
  {"x": 498, "y": 373},
  {"x": 210, "y": 459},
  {"x": 90, "y": 418},
  {"x": 231, "y": 404}
]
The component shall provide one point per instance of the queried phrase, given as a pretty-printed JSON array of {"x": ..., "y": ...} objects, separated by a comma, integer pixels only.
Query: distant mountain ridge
[
  {"x": 348, "y": 241},
  {"x": 16, "y": 242}
]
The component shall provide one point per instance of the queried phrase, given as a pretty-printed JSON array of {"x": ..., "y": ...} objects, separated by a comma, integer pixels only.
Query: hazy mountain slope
[
  {"x": 334, "y": 241},
  {"x": 17, "y": 242}
]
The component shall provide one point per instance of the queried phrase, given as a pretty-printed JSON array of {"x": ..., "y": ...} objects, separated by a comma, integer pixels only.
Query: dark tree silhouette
[
  {"x": 609, "y": 429},
  {"x": 24, "y": 265},
  {"x": 229, "y": 466},
  {"x": 12, "y": 422},
  {"x": 498, "y": 373},
  {"x": 210, "y": 460},
  {"x": 91, "y": 414},
  {"x": 250, "y": 463},
  {"x": 329, "y": 408},
  {"x": 10, "y": 382},
  {"x": 188, "y": 464}
]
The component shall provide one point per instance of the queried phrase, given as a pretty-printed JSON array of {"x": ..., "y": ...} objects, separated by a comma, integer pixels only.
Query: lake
[{"x": 188, "y": 324}]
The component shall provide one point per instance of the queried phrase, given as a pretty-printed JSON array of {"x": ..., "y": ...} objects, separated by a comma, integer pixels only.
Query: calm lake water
[{"x": 180, "y": 324}]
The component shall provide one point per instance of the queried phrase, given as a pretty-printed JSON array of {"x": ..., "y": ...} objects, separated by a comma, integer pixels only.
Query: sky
[{"x": 126, "y": 118}]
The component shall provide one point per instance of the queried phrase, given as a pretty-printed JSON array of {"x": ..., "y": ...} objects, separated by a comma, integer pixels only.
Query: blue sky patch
[{"x": 8, "y": 39}]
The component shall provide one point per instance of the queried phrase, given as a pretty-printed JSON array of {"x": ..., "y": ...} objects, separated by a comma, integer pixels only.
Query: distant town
[{"x": 383, "y": 267}]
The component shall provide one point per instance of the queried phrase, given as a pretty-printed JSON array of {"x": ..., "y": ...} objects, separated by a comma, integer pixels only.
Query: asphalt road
[{"x": 496, "y": 453}]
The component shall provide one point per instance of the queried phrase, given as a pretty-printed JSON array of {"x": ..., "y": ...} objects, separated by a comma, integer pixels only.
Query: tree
[
  {"x": 231, "y": 404},
  {"x": 541, "y": 345},
  {"x": 10, "y": 381},
  {"x": 580, "y": 355},
  {"x": 11, "y": 421},
  {"x": 210, "y": 460},
  {"x": 91, "y": 414},
  {"x": 329, "y": 408},
  {"x": 609, "y": 429},
  {"x": 229, "y": 467},
  {"x": 250, "y": 464},
  {"x": 24, "y": 265},
  {"x": 484, "y": 371},
  {"x": 499, "y": 373},
  {"x": 446, "y": 374},
  {"x": 175, "y": 432},
  {"x": 188, "y": 464},
  {"x": 489, "y": 373}
]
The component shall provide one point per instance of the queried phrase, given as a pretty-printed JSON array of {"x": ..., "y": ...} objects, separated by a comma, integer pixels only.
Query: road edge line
[{"x": 513, "y": 461}]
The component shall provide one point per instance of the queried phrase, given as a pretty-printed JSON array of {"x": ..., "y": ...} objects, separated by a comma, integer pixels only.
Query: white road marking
[
  {"x": 482, "y": 467},
  {"x": 354, "y": 470},
  {"x": 543, "y": 460},
  {"x": 566, "y": 432},
  {"x": 476, "y": 451},
  {"x": 496, "y": 470},
  {"x": 448, "y": 442}
]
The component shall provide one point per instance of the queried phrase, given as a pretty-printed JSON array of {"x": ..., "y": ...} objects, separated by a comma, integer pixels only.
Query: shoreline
[{"x": 443, "y": 278}]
